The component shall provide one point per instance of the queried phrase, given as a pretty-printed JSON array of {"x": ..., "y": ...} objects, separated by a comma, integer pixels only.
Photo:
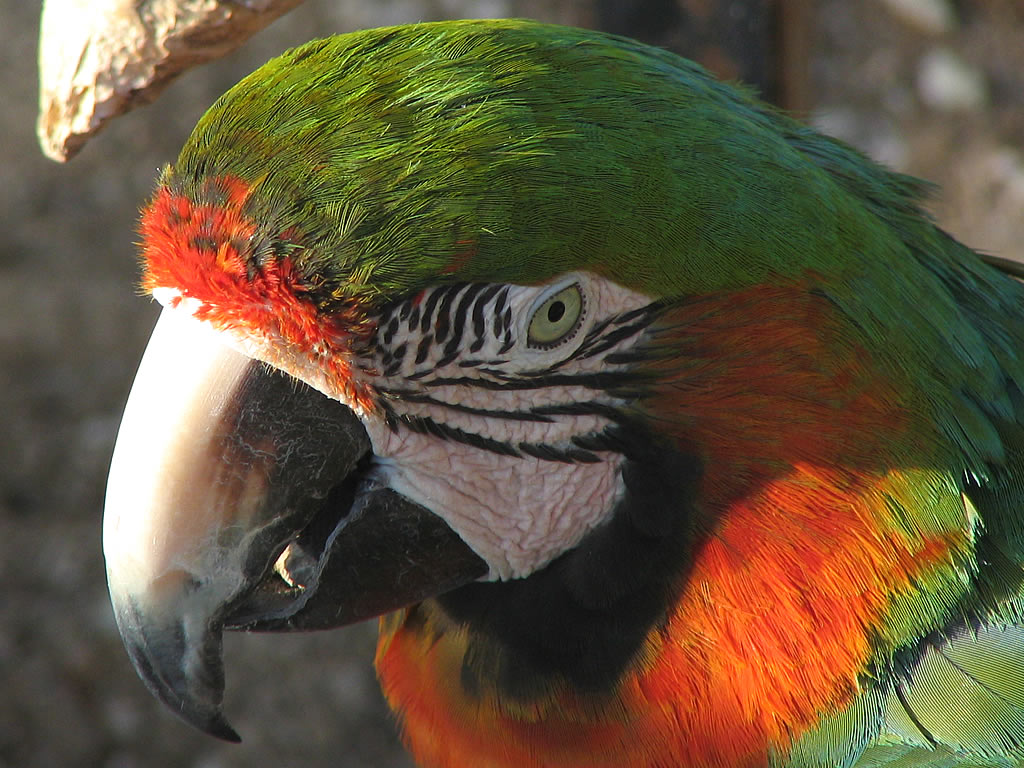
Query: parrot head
[
  {"x": 381, "y": 313},
  {"x": 552, "y": 347}
]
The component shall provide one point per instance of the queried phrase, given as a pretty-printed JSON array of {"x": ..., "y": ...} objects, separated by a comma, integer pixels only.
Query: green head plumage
[
  {"x": 373, "y": 164},
  {"x": 511, "y": 150}
]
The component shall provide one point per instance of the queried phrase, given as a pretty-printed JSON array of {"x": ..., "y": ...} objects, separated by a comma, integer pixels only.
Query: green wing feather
[
  {"x": 956, "y": 698},
  {"x": 964, "y": 693}
]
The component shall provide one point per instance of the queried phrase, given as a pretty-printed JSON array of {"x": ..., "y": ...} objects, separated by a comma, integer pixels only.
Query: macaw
[{"x": 660, "y": 429}]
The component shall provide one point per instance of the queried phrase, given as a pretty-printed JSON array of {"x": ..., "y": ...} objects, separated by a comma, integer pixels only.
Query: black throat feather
[{"x": 584, "y": 617}]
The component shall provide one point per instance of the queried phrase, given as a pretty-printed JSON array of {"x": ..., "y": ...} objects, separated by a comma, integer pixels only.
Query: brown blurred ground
[{"x": 72, "y": 330}]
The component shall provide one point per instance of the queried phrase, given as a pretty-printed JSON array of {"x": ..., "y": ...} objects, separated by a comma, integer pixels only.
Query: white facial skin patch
[
  {"x": 518, "y": 512},
  {"x": 484, "y": 390}
]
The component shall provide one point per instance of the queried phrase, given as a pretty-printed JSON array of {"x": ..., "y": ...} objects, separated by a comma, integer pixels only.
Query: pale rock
[
  {"x": 930, "y": 17},
  {"x": 947, "y": 83}
]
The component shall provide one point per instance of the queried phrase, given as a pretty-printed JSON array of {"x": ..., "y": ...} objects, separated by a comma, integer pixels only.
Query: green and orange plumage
[{"x": 800, "y": 402}]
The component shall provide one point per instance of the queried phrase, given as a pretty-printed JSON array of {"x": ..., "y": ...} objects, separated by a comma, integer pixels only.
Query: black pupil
[{"x": 556, "y": 311}]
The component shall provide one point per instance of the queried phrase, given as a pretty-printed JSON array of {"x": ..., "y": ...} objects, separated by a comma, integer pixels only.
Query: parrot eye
[{"x": 557, "y": 319}]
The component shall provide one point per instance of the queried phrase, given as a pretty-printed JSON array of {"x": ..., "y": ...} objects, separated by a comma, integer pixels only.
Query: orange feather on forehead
[{"x": 204, "y": 252}]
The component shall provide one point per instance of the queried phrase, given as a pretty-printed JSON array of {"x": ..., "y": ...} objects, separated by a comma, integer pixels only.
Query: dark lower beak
[{"x": 241, "y": 498}]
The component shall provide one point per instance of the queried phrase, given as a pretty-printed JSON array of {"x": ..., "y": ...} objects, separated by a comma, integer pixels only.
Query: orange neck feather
[{"x": 771, "y": 627}]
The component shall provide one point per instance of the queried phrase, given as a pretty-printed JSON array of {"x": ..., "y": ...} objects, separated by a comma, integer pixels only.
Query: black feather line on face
[
  {"x": 447, "y": 316},
  {"x": 440, "y": 316},
  {"x": 438, "y": 319}
]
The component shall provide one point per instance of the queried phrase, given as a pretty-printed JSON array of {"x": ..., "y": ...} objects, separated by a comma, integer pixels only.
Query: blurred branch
[
  {"x": 101, "y": 58},
  {"x": 795, "y": 31}
]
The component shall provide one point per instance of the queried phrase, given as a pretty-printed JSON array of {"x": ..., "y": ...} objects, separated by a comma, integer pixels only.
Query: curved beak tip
[
  {"x": 197, "y": 713},
  {"x": 219, "y": 727},
  {"x": 182, "y": 667}
]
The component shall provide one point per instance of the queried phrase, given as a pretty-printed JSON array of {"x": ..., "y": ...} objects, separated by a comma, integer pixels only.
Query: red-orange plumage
[
  {"x": 772, "y": 626},
  {"x": 204, "y": 250}
]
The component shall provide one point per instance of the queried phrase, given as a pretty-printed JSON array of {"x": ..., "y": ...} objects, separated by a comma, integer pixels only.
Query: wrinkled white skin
[{"x": 517, "y": 512}]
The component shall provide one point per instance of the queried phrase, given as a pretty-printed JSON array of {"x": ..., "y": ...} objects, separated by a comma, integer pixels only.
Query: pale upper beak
[{"x": 219, "y": 462}]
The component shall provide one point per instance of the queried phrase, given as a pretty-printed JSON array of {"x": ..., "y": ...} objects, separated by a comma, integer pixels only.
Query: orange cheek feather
[
  {"x": 759, "y": 645},
  {"x": 771, "y": 627}
]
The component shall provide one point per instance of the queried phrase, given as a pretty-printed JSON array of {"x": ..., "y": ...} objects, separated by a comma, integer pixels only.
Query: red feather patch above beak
[{"x": 205, "y": 252}]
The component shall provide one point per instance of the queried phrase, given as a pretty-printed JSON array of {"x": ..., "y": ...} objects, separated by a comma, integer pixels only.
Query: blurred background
[{"x": 930, "y": 87}]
